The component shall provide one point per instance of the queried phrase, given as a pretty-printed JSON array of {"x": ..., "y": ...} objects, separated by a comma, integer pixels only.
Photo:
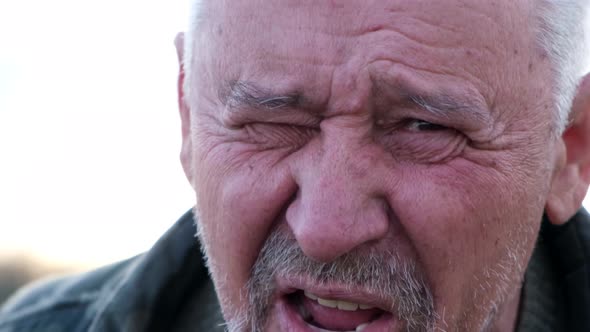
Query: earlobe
[
  {"x": 570, "y": 183},
  {"x": 186, "y": 150}
]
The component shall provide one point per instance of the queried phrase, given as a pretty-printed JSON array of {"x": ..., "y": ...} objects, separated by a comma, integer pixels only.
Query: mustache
[{"x": 377, "y": 272}]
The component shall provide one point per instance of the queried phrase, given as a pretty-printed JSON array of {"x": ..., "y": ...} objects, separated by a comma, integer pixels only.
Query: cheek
[
  {"x": 463, "y": 221},
  {"x": 241, "y": 194}
]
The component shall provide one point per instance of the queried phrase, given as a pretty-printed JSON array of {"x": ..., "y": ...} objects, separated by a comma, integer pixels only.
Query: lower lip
[{"x": 290, "y": 320}]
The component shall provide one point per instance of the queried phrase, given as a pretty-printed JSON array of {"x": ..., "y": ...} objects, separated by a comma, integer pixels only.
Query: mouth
[{"x": 305, "y": 311}]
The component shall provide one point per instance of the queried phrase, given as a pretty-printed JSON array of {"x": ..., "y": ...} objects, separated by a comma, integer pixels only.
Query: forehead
[{"x": 305, "y": 44}]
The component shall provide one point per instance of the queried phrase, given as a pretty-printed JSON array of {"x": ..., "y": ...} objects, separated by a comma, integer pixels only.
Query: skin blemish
[
  {"x": 335, "y": 5},
  {"x": 543, "y": 55}
]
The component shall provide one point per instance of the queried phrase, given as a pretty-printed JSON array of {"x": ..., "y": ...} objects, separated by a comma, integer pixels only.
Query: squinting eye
[{"x": 420, "y": 125}]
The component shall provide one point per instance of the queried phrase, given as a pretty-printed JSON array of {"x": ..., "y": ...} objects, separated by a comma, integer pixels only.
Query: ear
[
  {"x": 570, "y": 182},
  {"x": 185, "y": 116}
]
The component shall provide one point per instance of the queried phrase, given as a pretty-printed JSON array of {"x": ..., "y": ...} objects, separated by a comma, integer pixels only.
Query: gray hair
[
  {"x": 561, "y": 34},
  {"x": 190, "y": 47}
]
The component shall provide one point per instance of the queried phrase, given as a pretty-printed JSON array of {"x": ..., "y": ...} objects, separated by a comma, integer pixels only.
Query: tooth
[
  {"x": 365, "y": 307},
  {"x": 327, "y": 303},
  {"x": 361, "y": 327},
  {"x": 310, "y": 295},
  {"x": 347, "y": 306}
]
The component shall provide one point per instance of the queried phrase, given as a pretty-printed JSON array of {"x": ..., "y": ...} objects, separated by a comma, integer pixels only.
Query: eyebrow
[
  {"x": 440, "y": 101},
  {"x": 240, "y": 94},
  {"x": 445, "y": 105},
  {"x": 246, "y": 94}
]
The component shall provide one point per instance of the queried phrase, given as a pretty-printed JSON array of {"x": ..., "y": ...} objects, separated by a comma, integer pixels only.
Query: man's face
[{"x": 389, "y": 157}]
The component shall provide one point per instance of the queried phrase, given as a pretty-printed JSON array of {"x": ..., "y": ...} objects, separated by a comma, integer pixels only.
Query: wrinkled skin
[{"x": 356, "y": 163}]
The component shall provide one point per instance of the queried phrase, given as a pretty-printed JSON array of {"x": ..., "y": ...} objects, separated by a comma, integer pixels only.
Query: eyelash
[
  {"x": 408, "y": 139},
  {"x": 412, "y": 125},
  {"x": 304, "y": 132},
  {"x": 415, "y": 124}
]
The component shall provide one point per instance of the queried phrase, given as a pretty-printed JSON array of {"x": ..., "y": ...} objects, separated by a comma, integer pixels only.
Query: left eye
[{"x": 420, "y": 125}]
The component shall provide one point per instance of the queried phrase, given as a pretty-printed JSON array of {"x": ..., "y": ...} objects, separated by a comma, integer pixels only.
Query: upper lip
[{"x": 341, "y": 292}]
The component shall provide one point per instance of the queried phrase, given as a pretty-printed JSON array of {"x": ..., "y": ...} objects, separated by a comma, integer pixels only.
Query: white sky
[{"x": 89, "y": 130}]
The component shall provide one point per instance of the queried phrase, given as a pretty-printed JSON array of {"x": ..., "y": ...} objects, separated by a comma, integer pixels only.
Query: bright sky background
[{"x": 89, "y": 129}]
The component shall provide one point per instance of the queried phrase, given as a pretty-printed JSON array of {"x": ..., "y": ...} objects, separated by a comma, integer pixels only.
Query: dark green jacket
[{"x": 168, "y": 289}]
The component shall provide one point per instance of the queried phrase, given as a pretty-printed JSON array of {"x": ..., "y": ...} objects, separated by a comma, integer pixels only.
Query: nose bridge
[
  {"x": 346, "y": 160},
  {"x": 340, "y": 205}
]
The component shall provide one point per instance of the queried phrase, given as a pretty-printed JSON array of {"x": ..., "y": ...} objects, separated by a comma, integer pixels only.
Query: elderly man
[{"x": 364, "y": 166}]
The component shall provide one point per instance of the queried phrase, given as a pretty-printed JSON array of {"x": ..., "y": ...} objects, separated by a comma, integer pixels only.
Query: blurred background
[{"x": 89, "y": 133}]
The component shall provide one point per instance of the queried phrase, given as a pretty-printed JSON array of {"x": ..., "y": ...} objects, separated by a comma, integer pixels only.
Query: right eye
[{"x": 279, "y": 135}]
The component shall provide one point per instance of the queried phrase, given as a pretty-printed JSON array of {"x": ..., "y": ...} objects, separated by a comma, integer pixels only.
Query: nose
[{"x": 341, "y": 203}]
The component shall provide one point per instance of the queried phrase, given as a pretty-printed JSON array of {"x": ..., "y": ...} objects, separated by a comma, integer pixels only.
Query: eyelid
[
  {"x": 277, "y": 135},
  {"x": 413, "y": 125},
  {"x": 240, "y": 117},
  {"x": 405, "y": 122},
  {"x": 396, "y": 114}
]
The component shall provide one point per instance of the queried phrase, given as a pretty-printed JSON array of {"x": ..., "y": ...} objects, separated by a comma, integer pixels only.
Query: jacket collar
[
  {"x": 150, "y": 292},
  {"x": 156, "y": 288}
]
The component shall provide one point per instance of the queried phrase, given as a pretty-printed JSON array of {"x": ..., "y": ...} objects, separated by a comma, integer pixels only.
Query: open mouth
[{"x": 335, "y": 315}]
